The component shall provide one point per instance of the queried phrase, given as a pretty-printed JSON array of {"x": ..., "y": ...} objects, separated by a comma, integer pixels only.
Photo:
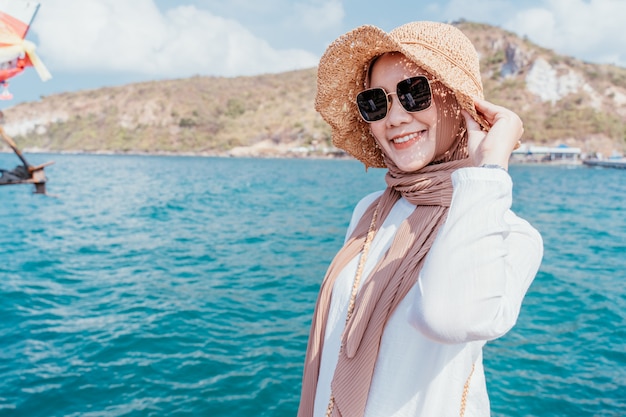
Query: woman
[{"x": 436, "y": 264}]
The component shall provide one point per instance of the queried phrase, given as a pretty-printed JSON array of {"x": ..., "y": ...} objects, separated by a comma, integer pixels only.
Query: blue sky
[{"x": 88, "y": 44}]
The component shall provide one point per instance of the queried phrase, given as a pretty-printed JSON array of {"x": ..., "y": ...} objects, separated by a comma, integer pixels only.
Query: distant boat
[
  {"x": 25, "y": 173},
  {"x": 619, "y": 163}
]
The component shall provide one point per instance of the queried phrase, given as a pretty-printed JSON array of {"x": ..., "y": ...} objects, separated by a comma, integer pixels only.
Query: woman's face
[{"x": 408, "y": 139}]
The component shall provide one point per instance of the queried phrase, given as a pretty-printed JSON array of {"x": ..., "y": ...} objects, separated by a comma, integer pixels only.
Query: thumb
[
  {"x": 470, "y": 122},
  {"x": 475, "y": 135}
]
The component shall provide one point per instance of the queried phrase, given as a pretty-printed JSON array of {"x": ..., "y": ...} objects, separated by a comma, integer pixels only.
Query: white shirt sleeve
[{"x": 481, "y": 264}]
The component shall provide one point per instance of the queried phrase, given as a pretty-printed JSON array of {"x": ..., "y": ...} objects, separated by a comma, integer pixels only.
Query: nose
[{"x": 396, "y": 113}]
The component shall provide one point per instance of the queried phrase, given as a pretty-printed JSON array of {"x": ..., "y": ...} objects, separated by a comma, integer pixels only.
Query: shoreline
[
  {"x": 318, "y": 156},
  {"x": 289, "y": 155}
]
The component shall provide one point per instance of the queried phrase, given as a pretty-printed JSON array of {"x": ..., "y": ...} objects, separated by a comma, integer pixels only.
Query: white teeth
[{"x": 405, "y": 138}]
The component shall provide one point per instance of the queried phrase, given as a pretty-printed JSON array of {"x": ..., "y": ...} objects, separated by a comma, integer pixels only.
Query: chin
[{"x": 412, "y": 164}]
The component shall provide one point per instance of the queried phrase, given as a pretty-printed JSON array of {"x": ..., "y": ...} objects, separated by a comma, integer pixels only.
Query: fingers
[
  {"x": 489, "y": 110},
  {"x": 508, "y": 120}
]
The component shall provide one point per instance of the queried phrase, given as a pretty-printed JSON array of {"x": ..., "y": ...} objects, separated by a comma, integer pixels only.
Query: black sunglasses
[{"x": 413, "y": 93}]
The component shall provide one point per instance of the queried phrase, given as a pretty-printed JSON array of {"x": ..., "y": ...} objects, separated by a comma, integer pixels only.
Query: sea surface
[{"x": 184, "y": 286}]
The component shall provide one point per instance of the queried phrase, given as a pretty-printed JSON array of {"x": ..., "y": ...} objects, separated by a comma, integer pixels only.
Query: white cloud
[
  {"x": 592, "y": 30},
  {"x": 536, "y": 21},
  {"x": 136, "y": 37},
  {"x": 320, "y": 16},
  {"x": 484, "y": 11}
]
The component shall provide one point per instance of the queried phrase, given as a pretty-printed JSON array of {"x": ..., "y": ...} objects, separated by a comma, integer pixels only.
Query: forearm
[{"x": 481, "y": 263}]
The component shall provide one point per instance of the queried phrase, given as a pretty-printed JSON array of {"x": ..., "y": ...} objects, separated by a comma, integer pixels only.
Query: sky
[{"x": 89, "y": 44}]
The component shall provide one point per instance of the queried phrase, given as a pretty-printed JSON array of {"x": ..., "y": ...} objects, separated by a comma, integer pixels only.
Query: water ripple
[{"x": 184, "y": 286}]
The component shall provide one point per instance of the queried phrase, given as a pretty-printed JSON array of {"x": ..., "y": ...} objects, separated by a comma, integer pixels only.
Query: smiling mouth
[{"x": 411, "y": 137}]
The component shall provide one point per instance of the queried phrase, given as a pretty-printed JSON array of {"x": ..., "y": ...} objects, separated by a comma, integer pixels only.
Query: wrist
[{"x": 494, "y": 166}]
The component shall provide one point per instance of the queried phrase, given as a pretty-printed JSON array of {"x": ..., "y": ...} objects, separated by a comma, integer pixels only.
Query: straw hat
[{"x": 440, "y": 49}]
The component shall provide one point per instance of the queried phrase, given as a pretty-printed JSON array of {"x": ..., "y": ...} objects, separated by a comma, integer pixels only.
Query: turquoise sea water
[{"x": 180, "y": 286}]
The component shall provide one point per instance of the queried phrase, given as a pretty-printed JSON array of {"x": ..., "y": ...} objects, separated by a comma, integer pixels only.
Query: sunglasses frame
[{"x": 388, "y": 99}]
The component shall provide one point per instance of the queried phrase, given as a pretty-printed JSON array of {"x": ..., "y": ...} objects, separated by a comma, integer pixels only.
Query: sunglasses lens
[
  {"x": 372, "y": 104},
  {"x": 414, "y": 94}
]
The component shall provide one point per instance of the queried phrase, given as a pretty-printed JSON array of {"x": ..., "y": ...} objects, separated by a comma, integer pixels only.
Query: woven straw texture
[{"x": 440, "y": 49}]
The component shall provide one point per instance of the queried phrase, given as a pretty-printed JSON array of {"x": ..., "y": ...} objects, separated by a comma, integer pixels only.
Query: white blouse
[{"x": 469, "y": 291}]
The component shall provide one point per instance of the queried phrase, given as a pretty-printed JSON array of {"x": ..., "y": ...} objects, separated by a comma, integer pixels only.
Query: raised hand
[{"x": 495, "y": 146}]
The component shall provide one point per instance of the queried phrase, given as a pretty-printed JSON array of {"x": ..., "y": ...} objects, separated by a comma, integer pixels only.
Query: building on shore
[{"x": 533, "y": 154}]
